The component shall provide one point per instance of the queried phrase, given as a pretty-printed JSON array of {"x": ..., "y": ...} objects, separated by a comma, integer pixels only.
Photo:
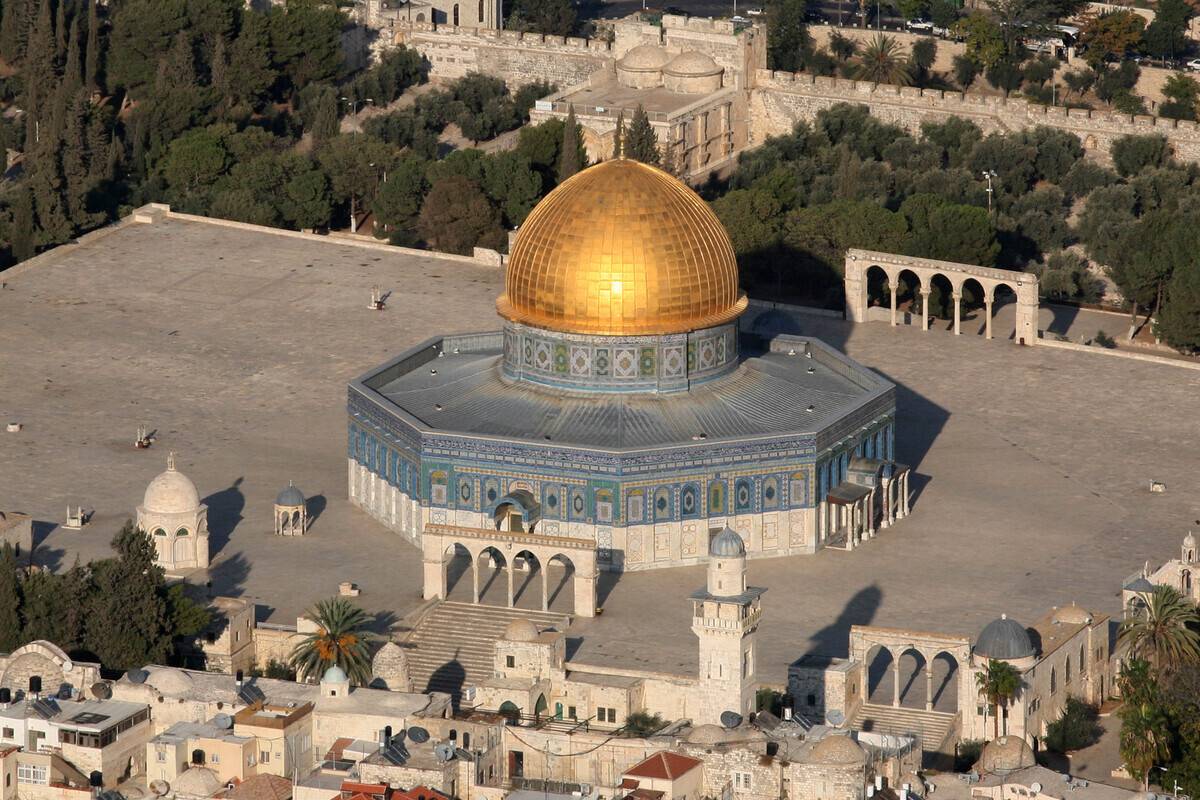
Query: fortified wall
[
  {"x": 779, "y": 99},
  {"x": 518, "y": 58}
]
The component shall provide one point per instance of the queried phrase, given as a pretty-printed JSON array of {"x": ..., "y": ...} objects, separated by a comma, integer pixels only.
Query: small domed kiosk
[
  {"x": 172, "y": 514},
  {"x": 291, "y": 512}
]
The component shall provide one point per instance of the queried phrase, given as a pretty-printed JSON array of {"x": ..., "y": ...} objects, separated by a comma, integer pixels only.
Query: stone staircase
[
  {"x": 931, "y": 727},
  {"x": 452, "y": 644}
]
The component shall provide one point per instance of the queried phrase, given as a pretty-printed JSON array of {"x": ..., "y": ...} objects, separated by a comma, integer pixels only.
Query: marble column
[
  {"x": 885, "y": 518},
  {"x": 545, "y": 587},
  {"x": 924, "y": 309},
  {"x": 928, "y": 688},
  {"x": 987, "y": 325},
  {"x": 957, "y": 313},
  {"x": 474, "y": 580},
  {"x": 904, "y": 497},
  {"x": 893, "y": 287},
  {"x": 895, "y": 681},
  {"x": 508, "y": 570}
]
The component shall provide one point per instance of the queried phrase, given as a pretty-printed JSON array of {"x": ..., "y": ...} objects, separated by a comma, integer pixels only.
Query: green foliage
[
  {"x": 1004, "y": 74},
  {"x": 949, "y": 231},
  {"x": 1166, "y": 36},
  {"x": 457, "y": 216},
  {"x": 275, "y": 670},
  {"x": 128, "y": 613},
  {"x": 553, "y": 17},
  {"x": 1102, "y": 339},
  {"x": 1164, "y": 634},
  {"x": 770, "y": 700},
  {"x": 882, "y": 62},
  {"x": 966, "y": 70},
  {"x": 10, "y": 601},
  {"x": 641, "y": 142},
  {"x": 185, "y": 616},
  {"x": 643, "y": 723},
  {"x": 1065, "y": 276},
  {"x": 1181, "y": 92},
  {"x": 1110, "y": 35},
  {"x": 998, "y": 684},
  {"x": 967, "y": 754},
  {"x": 1114, "y": 82},
  {"x": 569, "y": 161},
  {"x": 1132, "y": 154},
  {"x": 787, "y": 38},
  {"x": 341, "y": 639},
  {"x": 1179, "y": 320},
  {"x": 1085, "y": 176},
  {"x": 1077, "y": 727},
  {"x": 983, "y": 37}
]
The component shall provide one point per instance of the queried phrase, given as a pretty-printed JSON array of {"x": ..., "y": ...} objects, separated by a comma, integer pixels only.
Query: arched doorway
[
  {"x": 527, "y": 563},
  {"x": 495, "y": 578},
  {"x": 941, "y": 301},
  {"x": 517, "y": 512},
  {"x": 541, "y": 707},
  {"x": 879, "y": 292},
  {"x": 510, "y": 712},
  {"x": 908, "y": 295},
  {"x": 457, "y": 562},
  {"x": 909, "y": 679},
  {"x": 879, "y": 669},
  {"x": 184, "y": 552},
  {"x": 974, "y": 307},
  {"x": 1004, "y": 312},
  {"x": 944, "y": 676},
  {"x": 560, "y": 576}
]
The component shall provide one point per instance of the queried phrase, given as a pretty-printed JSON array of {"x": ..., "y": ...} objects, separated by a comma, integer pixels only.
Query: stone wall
[
  {"x": 518, "y": 58},
  {"x": 780, "y": 99}
]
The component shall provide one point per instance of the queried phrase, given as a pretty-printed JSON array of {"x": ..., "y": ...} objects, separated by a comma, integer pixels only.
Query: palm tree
[
  {"x": 340, "y": 639},
  {"x": 1145, "y": 740},
  {"x": 999, "y": 683},
  {"x": 1165, "y": 632},
  {"x": 882, "y": 62}
]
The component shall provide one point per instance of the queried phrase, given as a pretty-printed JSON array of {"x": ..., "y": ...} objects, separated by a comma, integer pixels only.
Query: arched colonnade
[
  {"x": 1024, "y": 285},
  {"x": 866, "y": 641}
]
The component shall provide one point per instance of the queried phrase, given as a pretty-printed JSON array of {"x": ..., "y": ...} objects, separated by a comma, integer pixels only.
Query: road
[{"x": 828, "y": 11}]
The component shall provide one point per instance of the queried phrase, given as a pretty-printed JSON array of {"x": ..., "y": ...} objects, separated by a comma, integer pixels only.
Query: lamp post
[
  {"x": 988, "y": 174},
  {"x": 1176, "y": 792}
]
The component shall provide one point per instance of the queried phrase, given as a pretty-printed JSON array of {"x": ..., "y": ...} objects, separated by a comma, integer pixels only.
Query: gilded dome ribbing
[{"x": 622, "y": 249}]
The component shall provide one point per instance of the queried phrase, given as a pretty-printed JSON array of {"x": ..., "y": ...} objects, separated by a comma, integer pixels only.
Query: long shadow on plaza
[
  {"x": 228, "y": 576},
  {"x": 224, "y": 514},
  {"x": 833, "y": 639}
]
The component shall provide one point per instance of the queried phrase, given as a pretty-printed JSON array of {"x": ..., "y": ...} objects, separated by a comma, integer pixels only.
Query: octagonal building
[{"x": 619, "y": 419}]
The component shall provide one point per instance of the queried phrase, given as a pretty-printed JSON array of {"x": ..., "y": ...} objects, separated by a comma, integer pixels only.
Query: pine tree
[
  {"x": 40, "y": 76},
  {"x": 74, "y": 161},
  {"x": 72, "y": 78},
  {"x": 568, "y": 155},
  {"x": 218, "y": 73},
  {"x": 10, "y": 601},
  {"x": 91, "y": 71},
  {"x": 42, "y": 608},
  {"x": 618, "y": 135},
  {"x": 127, "y": 619},
  {"x": 641, "y": 143},
  {"x": 77, "y": 585},
  {"x": 178, "y": 70}
]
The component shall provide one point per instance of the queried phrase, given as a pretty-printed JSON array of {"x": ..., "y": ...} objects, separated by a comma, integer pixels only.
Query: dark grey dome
[
  {"x": 290, "y": 496},
  {"x": 1140, "y": 585},
  {"x": 727, "y": 544},
  {"x": 1004, "y": 639}
]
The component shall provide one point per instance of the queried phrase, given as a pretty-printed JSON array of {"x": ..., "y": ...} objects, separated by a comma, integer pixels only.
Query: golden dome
[{"x": 622, "y": 249}]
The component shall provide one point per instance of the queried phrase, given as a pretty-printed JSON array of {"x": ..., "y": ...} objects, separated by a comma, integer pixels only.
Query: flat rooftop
[
  {"x": 766, "y": 396},
  {"x": 1031, "y": 466},
  {"x": 614, "y": 97}
]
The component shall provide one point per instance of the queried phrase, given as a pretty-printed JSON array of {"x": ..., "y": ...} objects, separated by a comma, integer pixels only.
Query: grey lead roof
[{"x": 766, "y": 395}]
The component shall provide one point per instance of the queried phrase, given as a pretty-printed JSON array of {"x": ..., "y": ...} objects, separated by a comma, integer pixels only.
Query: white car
[
  {"x": 1193, "y": 65},
  {"x": 920, "y": 25},
  {"x": 754, "y": 12}
]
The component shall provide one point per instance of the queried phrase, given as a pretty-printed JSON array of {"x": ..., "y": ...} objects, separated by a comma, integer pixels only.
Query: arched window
[
  {"x": 662, "y": 504},
  {"x": 481, "y": 10},
  {"x": 689, "y": 504},
  {"x": 1082, "y": 660},
  {"x": 159, "y": 532},
  {"x": 181, "y": 532},
  {"x": 421, "y": 17},
  {"x": 466, "y": 740},
  {"x": 455, "y": 15},
  {"x": 770, "y": 493},
  {"x": 1053, "y": 681},
  {"x": 716, "y": 498},
  {"x": 743, "y": 498},
  {"x": 1067, "y": 670}
]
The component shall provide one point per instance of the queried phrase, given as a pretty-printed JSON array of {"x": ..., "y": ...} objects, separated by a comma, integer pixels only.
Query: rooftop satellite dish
[
  {"x": 159, "y": 788},
  {"x": 251, "y": 695},
  {"x": 137, "y": 675},
  {"x": 418, "y": 734},
  {"x": 835, "y": 718},
  {"x": 101, "y": 690},
  {"x": 731, "y": 719},
  {"x": 1035, "y": 787},
  {"x": 444, "y": 751},
  {"x": 223, "y": 721}
]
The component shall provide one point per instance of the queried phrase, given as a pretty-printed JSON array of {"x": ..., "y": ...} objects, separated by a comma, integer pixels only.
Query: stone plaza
[{"x": 234, "y": 346}]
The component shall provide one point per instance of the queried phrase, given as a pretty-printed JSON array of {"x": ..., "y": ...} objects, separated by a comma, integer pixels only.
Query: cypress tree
[
  {"x": 325, "y": 123},
  {"x": 72, "y": 78},
  {"x": 22, "y": 226},
  {"x": 218, "y": 72},
  {"x": 43, "y": 606},
  {"x": 60, "y": 31},
  {"x": 641, "y": 143},
  {"x": 77, "y": 587},
  {"x": 568, "y": 156},
  {"x": 91, "y": 70},
  {"x": 14, "y": 29},
  {"x": 618, "y": 134},
  {"x": 40, "y": 75},
  {"x": 74, "y": 161},
  {"x": 10, "y": 601}
]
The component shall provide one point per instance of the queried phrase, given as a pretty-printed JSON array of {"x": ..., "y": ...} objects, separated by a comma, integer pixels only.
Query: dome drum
[{"x": 653, "y": 363}]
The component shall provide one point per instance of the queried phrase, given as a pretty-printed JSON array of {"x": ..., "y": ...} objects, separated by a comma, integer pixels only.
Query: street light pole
[{"x": 988, "y": 174}]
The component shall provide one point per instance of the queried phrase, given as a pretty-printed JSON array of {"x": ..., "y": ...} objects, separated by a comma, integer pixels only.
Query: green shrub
[{"x": 1078, "y": 726}]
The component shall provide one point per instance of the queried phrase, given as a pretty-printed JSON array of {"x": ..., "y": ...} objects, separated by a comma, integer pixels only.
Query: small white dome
[
  {"x": 171, "y": 492},
  {"x": 1006, "y": 754},
  {"x": 692, "y": 64},
  {"x": 644, "y": 57},
  {"x": 838, "y": 749},
  {"x": 1072, "y": 615},
  {"x": 1189, "y": 540},
  {"x": 334, "y": 674},
  {"x": 168, "y": 681},
  {"x": 198, "y": 782},
  {"x": 521, "y": 630},
  {"x": 706, "y": 734}
]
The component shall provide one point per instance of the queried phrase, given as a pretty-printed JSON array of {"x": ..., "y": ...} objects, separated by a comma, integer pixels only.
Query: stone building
[
  {"x": 52, "y": 668},
  {"x": 619, "y": 420},
  {"x": 1182, "y": 574},
  {"x": 16, "y": 529},
  {"x": 176, "y": 520}
]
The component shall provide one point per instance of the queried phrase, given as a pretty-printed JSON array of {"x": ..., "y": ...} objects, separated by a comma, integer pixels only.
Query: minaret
[
  {"x": 1188, "y": 551},
  {"x": 725, "y": 617}
]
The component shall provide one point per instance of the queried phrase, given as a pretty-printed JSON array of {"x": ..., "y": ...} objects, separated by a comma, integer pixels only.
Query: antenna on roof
[{"x": 731, "y": 719}]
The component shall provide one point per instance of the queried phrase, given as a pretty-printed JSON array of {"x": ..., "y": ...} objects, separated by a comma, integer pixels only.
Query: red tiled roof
[
  {"x": 335, "y": 752},
  {"x": 420, "y": 793},
  {"x": 664, "y": 766},
  {"x": 350, "y": 788},
  {"x": 628, "y": 783},
  {"x": 263, "y": 787}
]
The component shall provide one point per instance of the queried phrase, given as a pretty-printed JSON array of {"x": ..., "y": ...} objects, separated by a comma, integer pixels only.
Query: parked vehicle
[
  {"x": 1193, "y": 65},
  {"x": 920, "y": 25},
  {"x": 754, "y": 12}
]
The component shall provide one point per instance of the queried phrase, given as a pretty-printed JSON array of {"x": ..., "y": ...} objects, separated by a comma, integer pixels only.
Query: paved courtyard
[{"x": 1032, "y": 465}]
